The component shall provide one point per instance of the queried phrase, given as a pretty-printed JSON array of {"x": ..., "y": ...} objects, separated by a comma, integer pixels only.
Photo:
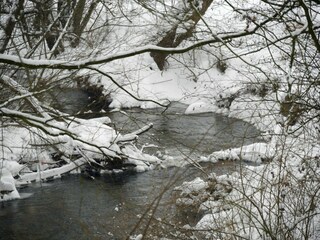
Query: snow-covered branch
[
  {"x": 58, "y": 129},
  {"x": 134, "y": 135},
  {"x": 74, "y": 65}
]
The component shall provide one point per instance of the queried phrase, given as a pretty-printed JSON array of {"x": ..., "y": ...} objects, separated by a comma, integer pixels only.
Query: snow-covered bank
[
  {"x": 260, "y": 201},
  {"x": 280, "y": 197},
  {"x": 8, "y": 189},
  {"x": 31, "y": 155}
]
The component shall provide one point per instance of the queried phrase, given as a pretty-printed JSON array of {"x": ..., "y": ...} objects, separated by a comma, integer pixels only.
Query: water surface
[
  {"x": 109, "y": 207},
  {"x": 180, "y": 135}
]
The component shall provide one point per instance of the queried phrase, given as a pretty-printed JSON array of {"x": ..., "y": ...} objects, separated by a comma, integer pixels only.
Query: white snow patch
[{"x": 8, "y": 189}]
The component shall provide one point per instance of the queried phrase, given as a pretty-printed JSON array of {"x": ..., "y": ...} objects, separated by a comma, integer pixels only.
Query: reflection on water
[
  {"x": 110, "y": 206},
  {"x": 68, "y": 100}
]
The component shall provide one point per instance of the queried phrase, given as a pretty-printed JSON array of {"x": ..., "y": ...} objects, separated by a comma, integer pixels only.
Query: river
[{"x": 109, "y": 207}]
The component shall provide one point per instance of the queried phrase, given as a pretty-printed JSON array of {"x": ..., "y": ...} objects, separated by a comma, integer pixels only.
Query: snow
[
  {"x": 136, "y": 237},
  {"x": 201, "y": 107},
  {"x": 191, "y": 192},
  {"x": 8, "y": 189},
  {"x": 12, "y": 166},
  {"x": 50, "y": 173},
  {"x": 89, "y": 138},
  {"x": 225, "y": 206},
  {"x": 143, "y": 162},
  {"x": 256, "y": 153}
]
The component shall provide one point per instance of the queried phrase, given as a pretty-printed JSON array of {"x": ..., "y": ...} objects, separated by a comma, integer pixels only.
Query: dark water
[
  {"x": 110, "y": 206},
  {"x": 179, "y": 134},
  {"x": 68, "y": 100},
  {"x": 76, "y": 207}
]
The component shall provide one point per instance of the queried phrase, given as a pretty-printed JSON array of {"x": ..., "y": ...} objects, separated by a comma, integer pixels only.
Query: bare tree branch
[
  {"x": 310, "y": 25},
  {"x": 75, "y": 65}
]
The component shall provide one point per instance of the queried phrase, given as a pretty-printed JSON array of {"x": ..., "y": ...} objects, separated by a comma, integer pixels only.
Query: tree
[{"x": 182, "y": 28}]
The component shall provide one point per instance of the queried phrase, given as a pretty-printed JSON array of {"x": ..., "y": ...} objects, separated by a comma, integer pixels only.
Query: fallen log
[
  {"x": 83, "y": 159},
  {"x": 50, "y": 173}
]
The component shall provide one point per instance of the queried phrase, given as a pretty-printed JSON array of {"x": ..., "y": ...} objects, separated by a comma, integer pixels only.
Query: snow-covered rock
[{"x": 256, "y": 153}]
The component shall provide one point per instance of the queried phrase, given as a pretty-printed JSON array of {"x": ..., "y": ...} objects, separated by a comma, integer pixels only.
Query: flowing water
[
  {"x": 186, "y": 136},
  {"x": 109, "y": 207},
  {"x": 76, "y": 207}
]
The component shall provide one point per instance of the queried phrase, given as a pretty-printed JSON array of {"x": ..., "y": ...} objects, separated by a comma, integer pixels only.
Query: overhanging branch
[{"x": 75, "y": 65}]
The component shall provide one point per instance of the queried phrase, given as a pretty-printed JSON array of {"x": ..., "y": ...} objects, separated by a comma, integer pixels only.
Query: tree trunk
[
  {"x": 174, "y": 39},
  {"x": 81, "y": 19},
  {"x": 65, "y": 8},
  {"x": 10, "y": 24}
]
